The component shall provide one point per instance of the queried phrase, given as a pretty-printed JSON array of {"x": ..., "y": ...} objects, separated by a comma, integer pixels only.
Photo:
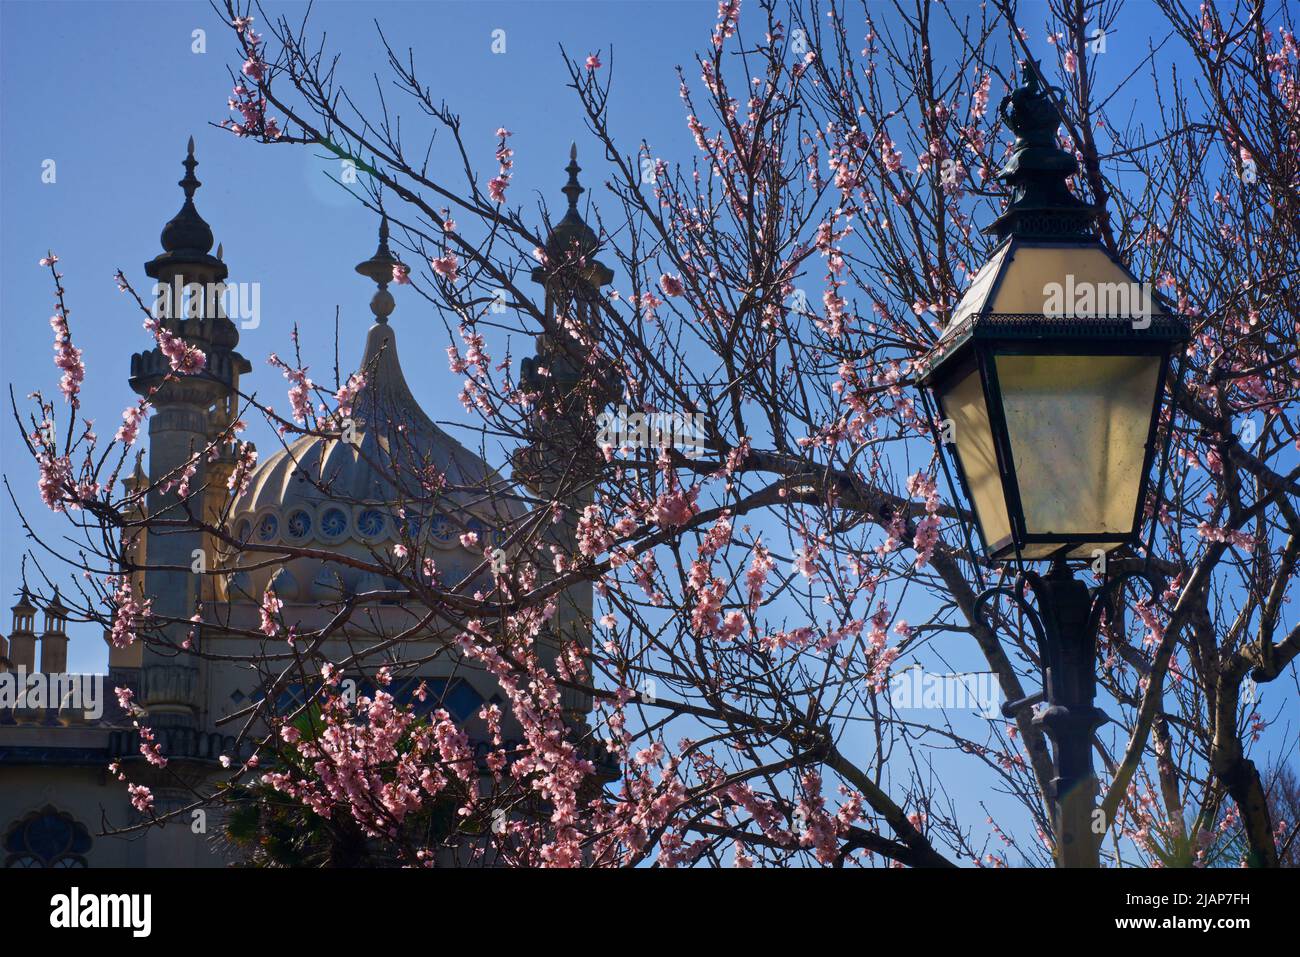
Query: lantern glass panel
[
  {"x": 1056, "y": 280},
  {"x": 963, "y": 403},
  {"x": 1078, "y": 427}
]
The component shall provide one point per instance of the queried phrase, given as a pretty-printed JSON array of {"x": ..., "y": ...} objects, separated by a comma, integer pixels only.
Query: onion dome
[
  {"x": 392, "y": 475},
  {"x": 186, "y": 238},
  {"x": 571, "y": 236}
]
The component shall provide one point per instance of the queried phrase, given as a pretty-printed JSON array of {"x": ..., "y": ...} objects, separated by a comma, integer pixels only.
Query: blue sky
[{"x": 111, "y": 91}]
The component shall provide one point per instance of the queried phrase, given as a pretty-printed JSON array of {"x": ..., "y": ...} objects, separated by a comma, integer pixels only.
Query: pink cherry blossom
[
  {"x": 141, "y": 797},
  {"x": 270, "y": 608},
  {"x": 67, "y": 357},
  {"x": 671, "y": 285},
  {"x": 446, "y": 266},
  {"x": 132, "y": 417},
  {"x": 347, "y": 393}
]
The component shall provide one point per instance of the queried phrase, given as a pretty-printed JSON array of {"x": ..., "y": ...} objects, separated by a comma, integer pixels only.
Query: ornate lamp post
[{"x": 1049, "y": 380}]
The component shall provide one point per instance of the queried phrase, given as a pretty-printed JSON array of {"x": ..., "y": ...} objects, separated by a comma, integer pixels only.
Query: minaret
[
  {"x": 562, "y": 461},
  {"x": 180, "y": 427},
  {"x": 22, "y": 640},
  {"x": 54, "y": 639}
]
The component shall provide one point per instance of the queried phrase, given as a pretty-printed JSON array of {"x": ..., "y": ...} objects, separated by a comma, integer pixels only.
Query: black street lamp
[{"x": 1049, "y": 379}]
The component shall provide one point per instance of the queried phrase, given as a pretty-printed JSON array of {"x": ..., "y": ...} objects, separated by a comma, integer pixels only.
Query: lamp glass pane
[
  {"x": 1069, "y": 281},
  {"x": 1037, "y": 551},
  {"x": 1078, "y": 428},
  {"x": 963, "y": 403}
]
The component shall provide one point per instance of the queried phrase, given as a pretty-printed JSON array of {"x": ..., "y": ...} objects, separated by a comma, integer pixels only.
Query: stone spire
[
  {"x": 21, "y": 648},
  {"x": 24, "y": 612},
  {"x": 572, "y": 241},
  {"x": 1042, "y": 206},
  {"x": 571, "y": 275},
  {"x": 22, "y": 639},
  {"x": 54, "y": 639},
  {"x": 386, "y": 397},
  {"x": 188, "y": 295},
  {"x": 187, "y": 237}
]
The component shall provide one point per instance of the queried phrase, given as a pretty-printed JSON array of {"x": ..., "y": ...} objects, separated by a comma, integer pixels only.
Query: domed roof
[
  {"x": 187, "y": 230},
  {"x": 186, "y": 238},
  {"x": 392, "y": 475},
  {"x": 395, "y": 444}
]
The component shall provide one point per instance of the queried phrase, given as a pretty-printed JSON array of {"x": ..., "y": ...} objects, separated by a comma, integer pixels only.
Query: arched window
[{"x": 46, "y": 838}]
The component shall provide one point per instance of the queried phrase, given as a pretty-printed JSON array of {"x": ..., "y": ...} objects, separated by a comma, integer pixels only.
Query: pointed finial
[
  {"x": 572, "y": 234},
  {"x": 379, "y": 268},
  {"x": 186, "y": 233},
  {"x": 190, "y": 183},
  {"x": 572, "y": 188},
  {"x": 220, "y": 250},
  {"x": 1042, "y": 205},
  {"x": 1030, "y": 74}
]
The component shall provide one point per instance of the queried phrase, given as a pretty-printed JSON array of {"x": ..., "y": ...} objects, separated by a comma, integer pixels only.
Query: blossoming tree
[{"x": 780, "y": 285}]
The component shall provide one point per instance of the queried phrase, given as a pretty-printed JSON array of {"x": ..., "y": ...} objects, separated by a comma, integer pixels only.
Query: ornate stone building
[{"x": 57, "y": 796}]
